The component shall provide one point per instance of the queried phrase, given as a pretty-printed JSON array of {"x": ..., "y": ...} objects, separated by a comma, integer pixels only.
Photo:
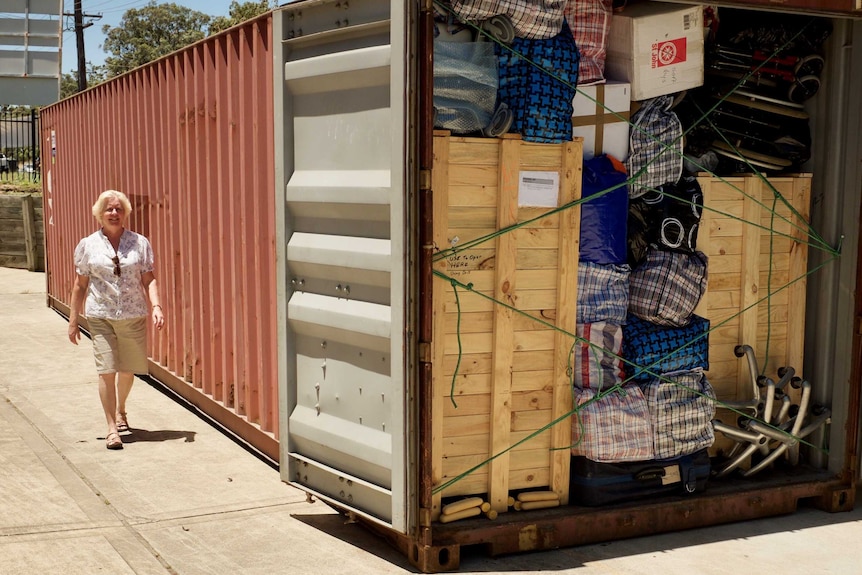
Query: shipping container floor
[
  {"x": 725, "y": 500},
  {"x": 182, "y": 498}
]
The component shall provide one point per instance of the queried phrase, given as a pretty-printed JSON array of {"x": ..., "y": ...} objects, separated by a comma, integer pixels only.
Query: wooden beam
[
  {"x": 28, "y": 214},
  {"x": 566, "y": 305},
  {"x": 505, "y": 291}
]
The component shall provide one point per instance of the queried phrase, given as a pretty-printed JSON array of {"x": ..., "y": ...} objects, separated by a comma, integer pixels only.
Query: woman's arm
[
  {"x": 79, "y": 294},
  {"x": 152, "y": 287}
]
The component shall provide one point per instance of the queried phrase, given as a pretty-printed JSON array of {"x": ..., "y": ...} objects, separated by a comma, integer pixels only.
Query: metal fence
[{"x": 19, "y": 145}]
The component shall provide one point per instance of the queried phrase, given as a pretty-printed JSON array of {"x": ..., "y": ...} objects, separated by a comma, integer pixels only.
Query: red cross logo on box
[{"x": 668, "y": 52}]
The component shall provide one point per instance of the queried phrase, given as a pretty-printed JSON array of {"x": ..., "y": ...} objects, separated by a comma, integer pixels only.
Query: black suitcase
[{"x": 594, "y": 483}]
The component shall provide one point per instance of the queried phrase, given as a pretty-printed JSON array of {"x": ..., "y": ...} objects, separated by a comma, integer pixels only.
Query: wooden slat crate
[
  {"x": 509, "y": 370},
  {"x": 22, "y": 241},
  {"x": 741, "y": 256}
]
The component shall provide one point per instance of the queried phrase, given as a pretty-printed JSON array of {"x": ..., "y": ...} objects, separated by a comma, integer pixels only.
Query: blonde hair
[{"x": 99, "y": 206}]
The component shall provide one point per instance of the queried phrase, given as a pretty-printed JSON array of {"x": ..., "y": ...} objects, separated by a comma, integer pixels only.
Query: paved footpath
[{"x": 182, "y": 498}]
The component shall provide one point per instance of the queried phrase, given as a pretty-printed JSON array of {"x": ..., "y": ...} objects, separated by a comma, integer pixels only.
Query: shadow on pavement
[
  {"x": 339, "y": 526},
  {"x": 475, "y": 559},
  {"x": 137, "y": 435}
]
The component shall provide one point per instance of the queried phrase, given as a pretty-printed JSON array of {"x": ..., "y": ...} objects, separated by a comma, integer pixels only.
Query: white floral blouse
[{"x": 112, "y": 296}]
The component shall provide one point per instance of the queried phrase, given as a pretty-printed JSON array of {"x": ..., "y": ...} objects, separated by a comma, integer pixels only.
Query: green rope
[
  {"x": 777, "y": 196},
  {"x": 758, "y": 225},
  {"x": 641, "y": 369},
  {"x": 809, "y": 229},
  {"x": 666, "y": 147},
  {"x": 460, "y": 350},
  {"x": 566, "y": 416},
  {"x": 448, "y": 252},
  {"x": 769, "y": 291},
  {"x": 471, "y": 244},
  {"x": 619, "y": 386}
]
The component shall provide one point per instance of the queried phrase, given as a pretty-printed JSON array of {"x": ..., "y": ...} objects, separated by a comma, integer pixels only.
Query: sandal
[
  {"x": 113, "y": 441},
  {"x": 122, "y": 422}
]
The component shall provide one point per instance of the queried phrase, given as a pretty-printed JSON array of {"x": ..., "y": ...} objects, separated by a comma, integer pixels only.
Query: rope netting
[{"x": 801, "y": 233}]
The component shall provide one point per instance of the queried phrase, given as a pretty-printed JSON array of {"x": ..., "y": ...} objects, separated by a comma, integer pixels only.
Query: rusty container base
[{"x": 729, "y": 501}]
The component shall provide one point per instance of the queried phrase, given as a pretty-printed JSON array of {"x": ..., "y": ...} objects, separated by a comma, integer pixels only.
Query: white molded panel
[{"x": 344, "y": 123}]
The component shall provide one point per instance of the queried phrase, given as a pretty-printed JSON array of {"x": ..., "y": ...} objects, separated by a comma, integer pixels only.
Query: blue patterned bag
[
  {"x": 663, "y": 349},
  {"x": 540, "y": 97}
]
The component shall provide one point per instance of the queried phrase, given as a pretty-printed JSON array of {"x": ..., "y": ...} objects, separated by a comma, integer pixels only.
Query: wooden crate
[
  {"x": 509, "y": 369},
  {"x": 741, "y": 256},
  {"x": 22, "y": 231}
]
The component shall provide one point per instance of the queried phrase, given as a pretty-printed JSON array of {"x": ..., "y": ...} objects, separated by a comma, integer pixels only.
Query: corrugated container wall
[{"x": 189, "y": 139}]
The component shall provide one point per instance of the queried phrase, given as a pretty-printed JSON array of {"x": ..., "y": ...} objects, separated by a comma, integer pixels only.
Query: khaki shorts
[{"x": 120, "y": 345}]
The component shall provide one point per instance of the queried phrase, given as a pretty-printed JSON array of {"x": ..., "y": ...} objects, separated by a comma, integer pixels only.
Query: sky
[{"x": 112, "y": 12}]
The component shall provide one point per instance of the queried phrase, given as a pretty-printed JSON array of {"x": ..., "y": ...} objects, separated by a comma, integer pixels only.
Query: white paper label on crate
[{"x": 539, "y": 189}]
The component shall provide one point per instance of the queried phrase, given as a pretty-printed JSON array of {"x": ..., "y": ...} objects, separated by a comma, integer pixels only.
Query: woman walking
[{"x": 114, "y": 268}]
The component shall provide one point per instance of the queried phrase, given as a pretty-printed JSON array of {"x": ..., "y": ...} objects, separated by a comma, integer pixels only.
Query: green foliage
[
  {"x": 69, "y": 82},
  {"x": 10, "y": 108},
  {"x": 239, "y": 13},
  {"x": 21, "y": 155},
  {"x": 148, "y": 33},
  {"x": 155, "y": 30}
]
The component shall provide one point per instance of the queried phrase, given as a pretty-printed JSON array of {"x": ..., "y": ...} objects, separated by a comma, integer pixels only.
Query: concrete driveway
[{"x": 183, "y": 498}]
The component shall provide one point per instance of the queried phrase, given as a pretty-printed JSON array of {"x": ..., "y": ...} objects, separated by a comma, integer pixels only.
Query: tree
[
  {"x": 69, "y": 82},
  {"x": 239, "y": 13},
  {"x": 148, "y": 33}
]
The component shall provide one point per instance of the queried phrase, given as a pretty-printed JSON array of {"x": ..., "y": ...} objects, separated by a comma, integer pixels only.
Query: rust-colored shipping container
[{"x": 189, "y": 139}]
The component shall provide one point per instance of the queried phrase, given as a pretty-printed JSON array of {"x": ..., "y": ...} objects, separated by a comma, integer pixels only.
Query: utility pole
[
  {"x": 79, "y": 39},
  {"x": 79, "y": 16}
]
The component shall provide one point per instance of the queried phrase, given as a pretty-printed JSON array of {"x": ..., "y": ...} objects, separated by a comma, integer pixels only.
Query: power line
[{"x": 134, "y": 4}]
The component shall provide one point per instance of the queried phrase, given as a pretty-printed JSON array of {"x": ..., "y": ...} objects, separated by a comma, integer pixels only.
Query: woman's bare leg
[
  {"x": 108, "y": 395},
  {"x": 124, "y": 387}
]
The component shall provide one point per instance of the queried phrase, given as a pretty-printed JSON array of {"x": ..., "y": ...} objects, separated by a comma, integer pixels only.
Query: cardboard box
[
  {"x": 505, "y": 369},
  {"x": 657, "y": 47},
  {"x": 601, "y": 117}
]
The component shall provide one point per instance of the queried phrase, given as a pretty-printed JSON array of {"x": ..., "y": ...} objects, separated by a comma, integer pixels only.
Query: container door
[{"x": 343, "y": 97}]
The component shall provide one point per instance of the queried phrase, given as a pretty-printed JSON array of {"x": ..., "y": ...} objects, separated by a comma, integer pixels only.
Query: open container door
[{"x": 341, "y": 117}]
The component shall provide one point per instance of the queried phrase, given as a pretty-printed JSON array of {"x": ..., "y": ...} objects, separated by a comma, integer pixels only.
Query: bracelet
[{"x": 157, "y": 306}]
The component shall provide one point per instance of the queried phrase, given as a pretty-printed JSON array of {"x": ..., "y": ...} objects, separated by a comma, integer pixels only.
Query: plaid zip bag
[
  {"x": 590, "y": 21},
  {"x": 615, "y": 427},
  {"x": 681, "y": 406},
  {"x": 666, "y": 288},
  {"x": 603, "y": 293},
  {"x": 597, "y": 361},
  {"x": 530, "y": 19},
  {"x": 656, "y": 145}
]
